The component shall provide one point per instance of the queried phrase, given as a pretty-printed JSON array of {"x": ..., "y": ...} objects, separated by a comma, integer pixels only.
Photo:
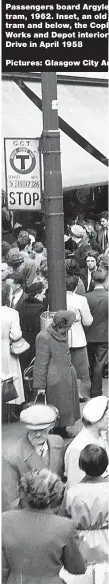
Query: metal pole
[{"x": 53, "y": 196}]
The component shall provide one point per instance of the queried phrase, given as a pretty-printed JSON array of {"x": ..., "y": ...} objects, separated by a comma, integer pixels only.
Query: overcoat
[
  {"x": 54, "y": 373},
  {"x": 35, "y": 545},
  {"x": 21, "y": 458},
  {"x": 10, "y": 329}
]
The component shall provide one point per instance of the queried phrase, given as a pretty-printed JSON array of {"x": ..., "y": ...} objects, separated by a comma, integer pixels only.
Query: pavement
[{"x": 11, "y": 432}]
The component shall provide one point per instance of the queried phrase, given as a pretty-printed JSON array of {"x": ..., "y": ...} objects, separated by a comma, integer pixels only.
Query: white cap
[
  {"x": 39, "y": 416},
  {"x": 94, "y": 409},
  {"x": 77, "y": 231}
]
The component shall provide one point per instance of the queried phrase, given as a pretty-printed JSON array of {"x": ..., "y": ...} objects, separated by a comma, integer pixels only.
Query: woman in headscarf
[{"x": 53, "y": 371}]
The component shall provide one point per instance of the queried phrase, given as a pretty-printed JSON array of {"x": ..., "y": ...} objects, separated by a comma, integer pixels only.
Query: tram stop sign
[{"x": 22, "y": 167}]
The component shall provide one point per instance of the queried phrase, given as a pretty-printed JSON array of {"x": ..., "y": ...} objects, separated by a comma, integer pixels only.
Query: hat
[
  {"x": 95, "y": 408},
  {"x": 64, "y": 315},
  {"x": 39, "y": 416},
  {"x": 77, "y": 231},
  {"x": 14, "y": 257}
]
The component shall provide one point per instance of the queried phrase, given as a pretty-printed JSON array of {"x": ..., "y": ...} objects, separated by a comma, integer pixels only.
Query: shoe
[{"x": 82, "y": 400}]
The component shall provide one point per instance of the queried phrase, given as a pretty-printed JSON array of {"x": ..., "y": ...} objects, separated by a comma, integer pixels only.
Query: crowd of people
[{"x": 55, "y": 517}]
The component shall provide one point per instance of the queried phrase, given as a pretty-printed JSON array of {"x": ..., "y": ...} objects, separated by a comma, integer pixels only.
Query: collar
[
  {"x": 40, "y": 450},
  {"x": 99, "y": 287}
]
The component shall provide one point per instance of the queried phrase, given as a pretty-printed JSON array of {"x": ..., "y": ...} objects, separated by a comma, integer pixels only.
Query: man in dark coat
[
  {"x": 36, "y": 450},
  {"x": 30, "y": 309},
  {"x": 97, "y": 334},
  {"x": 102, "y": 236},
  {"x": 87, "y": 272}
]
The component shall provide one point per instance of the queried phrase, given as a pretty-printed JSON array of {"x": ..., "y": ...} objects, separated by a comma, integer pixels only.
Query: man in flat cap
[
  {"x": 94, "y": 431},
  {"x": 37, "y": 449}
]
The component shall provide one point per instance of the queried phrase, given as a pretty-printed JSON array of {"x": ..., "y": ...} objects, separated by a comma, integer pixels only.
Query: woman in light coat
[
  {"x": 53, "y": 371},
  {"x": 76, "y": 336},
  {"x": 11, "y": 331},
  {"x": 87, "y": 503}
]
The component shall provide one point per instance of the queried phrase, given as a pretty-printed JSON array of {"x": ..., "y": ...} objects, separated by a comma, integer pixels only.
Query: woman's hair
[
  {"x": 72, "y": 282},
  {"x": 37, "y": 493},
  {"x": 72, "y": 268},
  {"x": 23, "y": 240},
  {"x": 5, "y": 294},
  {"x": 93, "y": 460}
]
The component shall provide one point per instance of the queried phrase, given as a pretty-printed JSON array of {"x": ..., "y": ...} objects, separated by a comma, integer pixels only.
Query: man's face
[
  {"x": 104, "y": 222},
  {"x": 91, "y": 263},
  {"x": 39, "y": 436}
]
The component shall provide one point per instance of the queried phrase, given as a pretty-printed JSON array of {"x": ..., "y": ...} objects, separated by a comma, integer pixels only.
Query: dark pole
[{"x": 53, "y": 196}]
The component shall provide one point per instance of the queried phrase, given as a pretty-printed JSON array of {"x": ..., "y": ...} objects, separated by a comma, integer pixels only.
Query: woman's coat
[
  {"x": 10, "y": 329},
  {"x": 35, "y": 545},
  {"x": 54, "y": 373}
]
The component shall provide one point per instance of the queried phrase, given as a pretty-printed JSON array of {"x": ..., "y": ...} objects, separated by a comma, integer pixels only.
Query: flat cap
[
  {"x": 39, "y": 416},
  {"x": 94, "y": 409}
]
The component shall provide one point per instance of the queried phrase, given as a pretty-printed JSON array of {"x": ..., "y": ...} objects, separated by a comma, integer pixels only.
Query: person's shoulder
[
  {"x": 55, "y": 441},
  {"x": 44, "y": 334},
  {"x": 14, "y": 451},
  {"x": 75, "y": 445}
]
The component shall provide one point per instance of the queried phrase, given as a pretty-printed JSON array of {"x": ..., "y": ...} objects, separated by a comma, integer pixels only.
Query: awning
[{"x": 84, "y": 108}]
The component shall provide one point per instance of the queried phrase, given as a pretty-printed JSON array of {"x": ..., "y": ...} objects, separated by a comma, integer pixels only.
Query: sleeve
[
  {"x": 86, "y": 315},
  {"x": 72, "y": 471},
  {"x": 72, "y": 557},
  {"x": 5, "y": 567},
  {"x": 15, "y": 330},
  {"x": 9, "y": 485},
  {"x": 42, "y": 358}
]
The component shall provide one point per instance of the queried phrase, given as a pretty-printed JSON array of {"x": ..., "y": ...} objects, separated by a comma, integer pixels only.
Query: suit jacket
[
  {"x": 22, "y": 458},
  {"x": 84, "y": 278},
  {"x": 100, "y": 238},
  {"x": 35, "y": 545},
  {"x": 98, "y": 303}
]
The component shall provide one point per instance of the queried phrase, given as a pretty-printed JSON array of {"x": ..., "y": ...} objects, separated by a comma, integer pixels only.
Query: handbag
[
  {"x": 19, "y": 347},
  {"x": 8, "y": 390}
]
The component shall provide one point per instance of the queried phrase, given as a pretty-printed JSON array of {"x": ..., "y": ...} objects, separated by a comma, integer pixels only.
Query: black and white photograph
[{"x": 54, "y": 319}]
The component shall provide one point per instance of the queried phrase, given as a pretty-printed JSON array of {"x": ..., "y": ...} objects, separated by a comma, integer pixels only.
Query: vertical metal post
[{"x": 53, "y": 196}]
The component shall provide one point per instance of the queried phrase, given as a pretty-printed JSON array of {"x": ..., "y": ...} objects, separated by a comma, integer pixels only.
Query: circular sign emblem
[{"x": 22, "y": 160}]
